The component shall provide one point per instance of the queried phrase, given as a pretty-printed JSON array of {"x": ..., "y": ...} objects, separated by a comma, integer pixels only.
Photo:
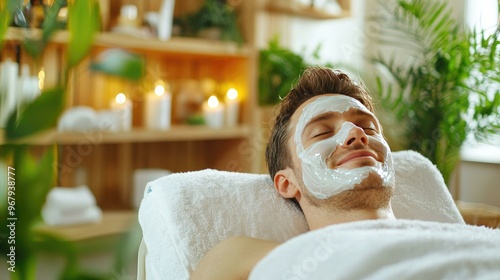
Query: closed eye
[
  {"x": 321, "y": 134},
  {"x": 370, "y": 130}
]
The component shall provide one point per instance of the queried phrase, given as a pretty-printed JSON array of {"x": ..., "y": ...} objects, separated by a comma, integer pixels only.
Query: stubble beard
[{"x": 370, "y": 194}]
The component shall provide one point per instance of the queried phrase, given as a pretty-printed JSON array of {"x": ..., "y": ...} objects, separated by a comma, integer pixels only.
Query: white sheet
[{"x": 386, "y": 249}]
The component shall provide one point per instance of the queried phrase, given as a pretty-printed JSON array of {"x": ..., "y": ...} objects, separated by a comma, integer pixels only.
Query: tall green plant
[
  {"x": 30, "y": 177},
  {"x": 449, "y": 84}
]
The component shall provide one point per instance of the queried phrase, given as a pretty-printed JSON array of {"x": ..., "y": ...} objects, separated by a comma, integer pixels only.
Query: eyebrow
[
  {"x": 319, "y": 118},
  {"x": 327, "y": 115},
  {"x": 358, "y": 112}
]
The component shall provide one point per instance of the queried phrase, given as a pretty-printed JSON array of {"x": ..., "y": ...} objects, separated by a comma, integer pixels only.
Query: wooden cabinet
[{"x": 105, "y": 161}]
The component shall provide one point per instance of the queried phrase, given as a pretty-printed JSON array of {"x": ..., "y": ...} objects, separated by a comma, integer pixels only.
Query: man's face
[{"x": 337, "y": 145}]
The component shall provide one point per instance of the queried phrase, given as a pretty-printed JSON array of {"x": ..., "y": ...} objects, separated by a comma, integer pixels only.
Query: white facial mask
[{"x": 322, "y": 181}]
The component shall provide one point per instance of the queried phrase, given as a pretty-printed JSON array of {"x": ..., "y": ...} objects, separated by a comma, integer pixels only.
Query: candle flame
[
  {"x": 41, "y": 78},
  {"x": 213, "y": 102},
  {"x": 159, "y": 90},
  {"x": 232, "y": 94},
  {"x": 121, "y": 98},
  {"x": 41, "y": 74}
]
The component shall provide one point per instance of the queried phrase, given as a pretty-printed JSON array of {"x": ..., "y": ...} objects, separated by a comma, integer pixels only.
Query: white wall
[{"x": 342, "y": 40}]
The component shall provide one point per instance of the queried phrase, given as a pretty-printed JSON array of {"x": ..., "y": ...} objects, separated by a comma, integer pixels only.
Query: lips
[{"x": 356, "y": 154}]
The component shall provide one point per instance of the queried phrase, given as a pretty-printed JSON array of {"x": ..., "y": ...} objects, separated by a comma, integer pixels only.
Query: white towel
[
  {"x": 79, "y": 197},
  {"x": 184, "y": 215},
  {"x": 386, "y": 249},
  {"x": 54, "y": 216},
  {"x": 420, "y": 192},
  {"x": 67, "y": 206}
]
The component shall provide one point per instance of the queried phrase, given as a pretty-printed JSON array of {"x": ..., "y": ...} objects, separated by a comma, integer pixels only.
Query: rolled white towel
[
  {"x": 74, "y": 198},
  {"x": 78, "y": 118}
]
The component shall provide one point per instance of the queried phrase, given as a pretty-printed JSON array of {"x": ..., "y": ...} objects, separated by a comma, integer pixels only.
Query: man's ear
[{"x": 285, "y": 183}]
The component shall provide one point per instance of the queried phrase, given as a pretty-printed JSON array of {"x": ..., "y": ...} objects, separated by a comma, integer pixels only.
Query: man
[{"x": 327, "y": 153}]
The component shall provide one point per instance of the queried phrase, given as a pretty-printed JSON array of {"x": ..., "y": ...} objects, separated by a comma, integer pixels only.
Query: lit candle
[
  {"x": 233, "y": 107},
  {"x": 128, "y": 16},
  {"x": 123, "y": 110},
  {"x": 213, "y": 112},
  {"x": 158, "y": 108},
  {"x": 41, "y": 79}
]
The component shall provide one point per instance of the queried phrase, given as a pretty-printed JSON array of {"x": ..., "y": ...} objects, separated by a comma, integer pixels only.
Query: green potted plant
[
  {"x": 278, "y": 68},
  {"x": 216, "y": 20},
  {"x": 451, "y": 88}
]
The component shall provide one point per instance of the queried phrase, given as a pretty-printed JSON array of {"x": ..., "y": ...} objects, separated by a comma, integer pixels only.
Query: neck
[{"x": 318, "y": 218}]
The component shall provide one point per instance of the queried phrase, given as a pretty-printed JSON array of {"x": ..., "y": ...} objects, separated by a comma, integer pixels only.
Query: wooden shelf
[
  {"x": 479, "y": 214},
  {"x": 112, "y": 223},
  {"x": 137, "y": 135},
  {"x": 307, "y": 12},
  {"x": 176, "y": 45}
]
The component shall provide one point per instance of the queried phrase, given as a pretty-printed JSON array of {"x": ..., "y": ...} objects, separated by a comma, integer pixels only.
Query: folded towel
[
  {"x": 184, "y": 215},
  {"x": 78, "y": 118},
  {"x": 79, "y": 197},
  {"x": 54, "y": 216},
  {"x": 66, "y": 206}
]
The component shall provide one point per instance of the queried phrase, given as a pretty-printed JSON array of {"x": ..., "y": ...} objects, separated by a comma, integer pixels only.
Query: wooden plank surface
[
  {"x": 136, "y": 135},
  {"x": 112, "y": 223}
]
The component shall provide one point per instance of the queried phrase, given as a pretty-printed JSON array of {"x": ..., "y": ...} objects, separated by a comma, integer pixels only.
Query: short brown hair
[{"x": 314, "y": 81}]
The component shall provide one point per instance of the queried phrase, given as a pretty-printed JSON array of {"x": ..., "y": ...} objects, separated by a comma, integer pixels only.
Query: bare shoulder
[{"x": 232, "y": 258}]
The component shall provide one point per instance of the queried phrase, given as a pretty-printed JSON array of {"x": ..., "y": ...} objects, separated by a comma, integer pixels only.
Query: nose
[{"x": 356, "y": 135}]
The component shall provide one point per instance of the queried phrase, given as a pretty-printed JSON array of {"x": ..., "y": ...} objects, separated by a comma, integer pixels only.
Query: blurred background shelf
[
  {"x": 179, "y": 45},
  {"x": 112, "y": 223},
  {"x": 137, "y": 135}
]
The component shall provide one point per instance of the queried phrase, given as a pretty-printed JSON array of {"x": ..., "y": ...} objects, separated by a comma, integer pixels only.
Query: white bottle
[{"x": 166, "y": 19}]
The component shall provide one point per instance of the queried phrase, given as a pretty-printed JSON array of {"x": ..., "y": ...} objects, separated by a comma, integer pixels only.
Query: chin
[
  {"x": 369, "y": 194},
  {"x": 373, "y": 181}
]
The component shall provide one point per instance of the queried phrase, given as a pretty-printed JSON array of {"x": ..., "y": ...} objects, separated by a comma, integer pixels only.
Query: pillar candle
[
  {"x": 158, "y": 109},
  {"x": 123, "y": 109},
  {"x": 213, "y": 112},
  {"x": 232, "y": 107}
]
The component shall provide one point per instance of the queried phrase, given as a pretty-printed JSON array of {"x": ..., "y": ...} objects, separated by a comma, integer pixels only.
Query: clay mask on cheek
[{"x": 322, "y": 181}]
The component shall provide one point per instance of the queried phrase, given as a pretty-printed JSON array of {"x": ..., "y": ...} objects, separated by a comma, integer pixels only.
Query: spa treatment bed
[{"x": 184, "y": 215}]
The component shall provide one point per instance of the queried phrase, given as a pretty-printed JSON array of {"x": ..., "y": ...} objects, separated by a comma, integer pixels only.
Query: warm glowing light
[
  {"x": 159, "y": 90},
  {"x": 121, "y": 98},
  {"x": 41, "y": 78},
  {"x": 232, "y": 94},
  {"x": 213, "y": 102},
  {"x": 41, "y": 74}
]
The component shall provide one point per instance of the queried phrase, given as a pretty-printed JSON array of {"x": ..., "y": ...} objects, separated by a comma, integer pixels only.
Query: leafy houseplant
[
  {"x": 31, "y": 177},
  {"x": 278, "y": 68},
  {"x": 449, "y": 87}
]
